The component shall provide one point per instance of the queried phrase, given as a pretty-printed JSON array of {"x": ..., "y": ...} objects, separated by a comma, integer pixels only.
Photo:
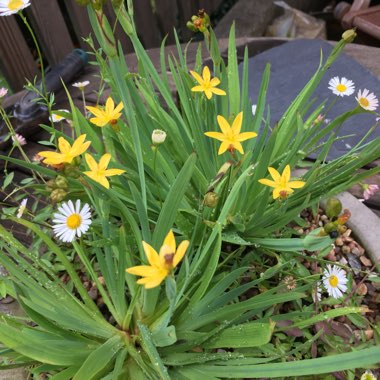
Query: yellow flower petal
[
  {"x": 152, "y": 282},
  {"x": 152, "y": 256},
  {"x": 197, "y": 89},
  {"x": 180, "y": 252},
  {"x": 112, "y": 172},
  {"x": 104, "y": 161},
  {"x": 245, "y": 136},
  {"x": 110, "y": 105},
  {"x": 268, "y": 182},
  {"x": 236, "y": 125},
  {"x": 142, "y": 270},
  {"x": 218, "y": 91},
  {"x": 118, "y": 108},
  {"x": 208, "y": 94},
  {"x": 98, "y": 121},
  {"x": 63, "y": 145},
  {"x": 91, "y": 162},
  {"x": 197, "y": 77},
  {"x": 238, "y": 147},
  {"x": 216, "y": 135},
  {"x": 223, "y": 147},
  {"x": 170, "y": 241},
  {"x": 275, "y": 174},
  {"x": 214, "y": 82},
  {"x": 296, "y": 184},
  {"x": 206, "y": 74},
  {"x": 286, "y": 174},
  {"x": 223, "y": 124}
]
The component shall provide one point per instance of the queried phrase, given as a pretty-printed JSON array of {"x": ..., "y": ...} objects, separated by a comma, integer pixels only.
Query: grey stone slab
[
  {"x": 364, "y": 224},
  {"x": 292, "y": 65}
]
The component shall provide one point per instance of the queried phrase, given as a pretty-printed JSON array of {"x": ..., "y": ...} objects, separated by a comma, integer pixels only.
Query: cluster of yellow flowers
[
  {"x": 98, "y": 171},
  {"x": 231, "y": 137}
]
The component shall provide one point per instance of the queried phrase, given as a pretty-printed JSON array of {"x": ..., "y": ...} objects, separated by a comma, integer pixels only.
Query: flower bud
[
  {"x": 158, "y": 137},
  {"x": 211, "y": 199},
  {"x": 58, "y": 195},
  {"x": 333, "y": 207},
  {"x": 349, "y": 35},
  {"x": 61, "y": 183}
]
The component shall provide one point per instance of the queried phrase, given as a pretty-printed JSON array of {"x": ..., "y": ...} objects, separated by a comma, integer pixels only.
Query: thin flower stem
[
  {"x": 84, "y": 102},
  {"x": 155, "y": 175}
]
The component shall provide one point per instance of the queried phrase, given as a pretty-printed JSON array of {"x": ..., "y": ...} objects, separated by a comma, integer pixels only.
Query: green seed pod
[
  {"x": 333, "y": 207},
  {"x": 61, "y": 183},
  {"x": 211, "y": 199},
  {"x": 58, "y": 195}
]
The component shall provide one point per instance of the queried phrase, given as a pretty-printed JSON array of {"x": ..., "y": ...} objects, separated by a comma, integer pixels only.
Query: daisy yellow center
[
  {"x": 341, "y": 87},
  {"x": 74, "y": 221},
  {"x": 364, "y": 102},
  {"x": 14, "y": 5},
  {"x": 333, "y": 281}
]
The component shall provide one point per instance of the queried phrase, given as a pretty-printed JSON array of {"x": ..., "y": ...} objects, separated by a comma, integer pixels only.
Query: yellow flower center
[
  {"x": 74, "y": 221},
  {"x": 333, "y": 280},
  {"x": 15, "y": 5},
  {"x": 364, "y": 102},
  {"x": 341, "y": 87}
]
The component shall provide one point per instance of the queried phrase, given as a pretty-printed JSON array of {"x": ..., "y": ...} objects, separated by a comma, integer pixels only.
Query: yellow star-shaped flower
[
  {"x": 281, "y": 183},
  {"x": 160, "y": 264},
  {"x": 99, "y": 172},
  {"x": 206, "y": 84},
  {"x": 67, "y": 152},
  {"x": 108, "y": 115},
  {"x": 231, "y": 136}
]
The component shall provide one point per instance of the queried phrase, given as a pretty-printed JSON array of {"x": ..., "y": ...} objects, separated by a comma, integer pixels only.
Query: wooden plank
[
  {"x": 147, "y": 22},
  {"x": 167, "y": 16},
  {"x": 80, "y": 21},
  {"x": 51, "y": 29},
  {"x": 210, "y": 6},
  {"x": 17, "y": 62}
]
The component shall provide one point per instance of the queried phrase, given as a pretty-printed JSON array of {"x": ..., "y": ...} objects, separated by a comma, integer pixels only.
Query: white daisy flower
[
  {"x": 71, "y": 221},
  {"x": 335, "y": 281},
  {"x": 343, "y": 87},
  {"x": 56, "y": 118},
  {"x": 21, "y": 140},
  {"x": 22, "y": 208},
  {"x": 10, "y": 7},
  {"x": 367, "y": 100},
  {"x": 368, "y": 375},
  {"x": 81, "y": 85}
]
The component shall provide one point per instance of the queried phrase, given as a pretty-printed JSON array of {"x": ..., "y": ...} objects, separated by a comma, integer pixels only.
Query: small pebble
[
  {"x": 355, "y": 251},
  {"x": 346, "y": 249},
  {"x": 366, "y": 262},
  {"x": 362, "y": 290},
  {"x": 347, "y": 233},
  {"x": 339, "y": 241},
  {"x": 343, "y": 261},
  {"x": 324, "y": 218}
]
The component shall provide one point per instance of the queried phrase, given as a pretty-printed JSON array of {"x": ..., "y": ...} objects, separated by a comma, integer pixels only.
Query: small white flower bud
[{"x": 158, "y": 137}]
